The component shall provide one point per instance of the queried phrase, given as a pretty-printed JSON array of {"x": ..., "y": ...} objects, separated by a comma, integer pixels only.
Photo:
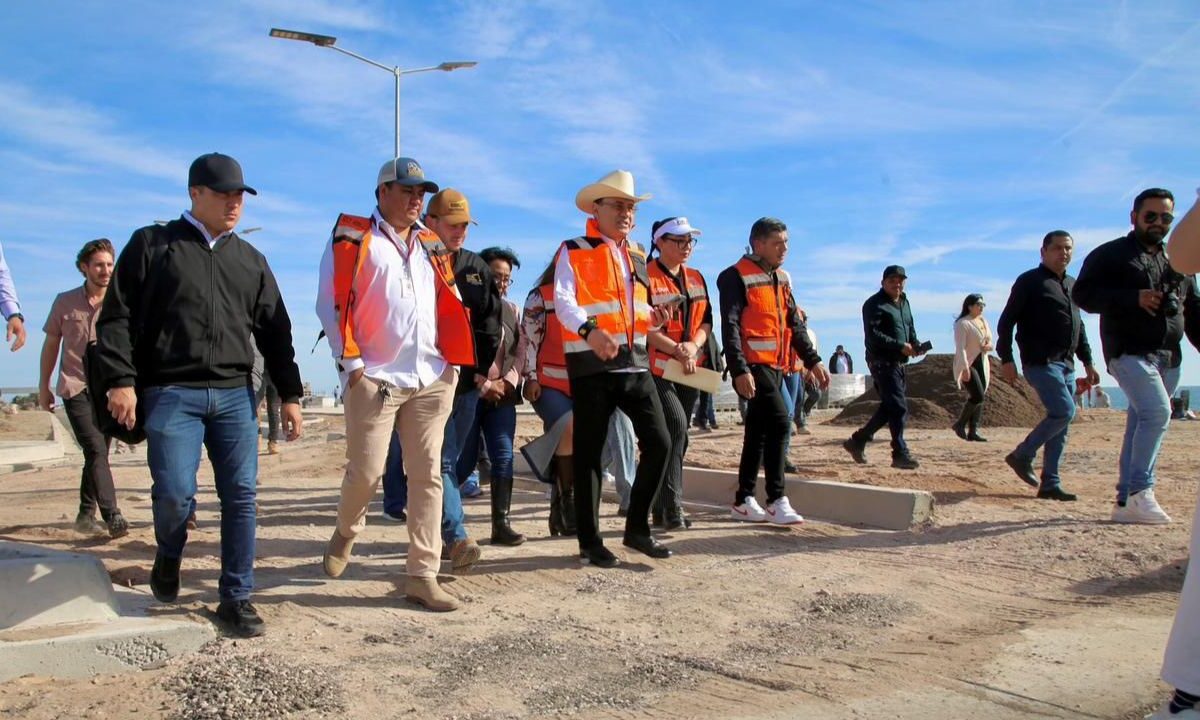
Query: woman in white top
[{"x": 972, "y": 343}]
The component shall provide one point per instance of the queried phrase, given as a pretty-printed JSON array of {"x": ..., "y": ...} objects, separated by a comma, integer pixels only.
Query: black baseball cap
[
  {"x": 891, "y": 270},
  {"x": 217, "y": 172}
]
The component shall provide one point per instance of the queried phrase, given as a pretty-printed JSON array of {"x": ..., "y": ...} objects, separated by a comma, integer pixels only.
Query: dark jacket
[
  {"x": 180, "y": 313},
  {"x": 832, "y": 364},
  {"x": 733, "y": 301},
  {"x": 1046, "y": 319},
  {"x": 887, "y": 326},
  {"x": 482, "y": 298},
  {"x": 1109, "y": 284}
]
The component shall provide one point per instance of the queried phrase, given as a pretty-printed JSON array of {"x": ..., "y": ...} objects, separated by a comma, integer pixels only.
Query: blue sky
[{"x": 944, "y": 136}]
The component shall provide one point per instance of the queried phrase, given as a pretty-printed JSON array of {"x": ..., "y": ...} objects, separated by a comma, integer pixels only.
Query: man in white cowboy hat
[{"x": 601, "y": 297}]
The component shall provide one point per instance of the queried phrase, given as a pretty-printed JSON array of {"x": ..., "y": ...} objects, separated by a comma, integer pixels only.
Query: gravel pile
[
  {"x": 137, "y": 652},
  {"x": 858, "y": 609},
  {"x": 220, "y": 684}
]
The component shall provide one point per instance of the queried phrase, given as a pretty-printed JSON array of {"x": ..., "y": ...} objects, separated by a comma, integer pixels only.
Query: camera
[{"x": 1171, "y": 285}]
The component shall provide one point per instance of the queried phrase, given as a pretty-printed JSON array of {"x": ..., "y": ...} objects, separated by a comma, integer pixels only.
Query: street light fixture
[{"x": 396, "y": 71}]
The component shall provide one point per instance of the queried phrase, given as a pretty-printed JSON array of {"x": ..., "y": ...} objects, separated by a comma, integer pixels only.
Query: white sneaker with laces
[
  {"x": 780, "y": 512},
  {"x": 749, "y": 511},
  {"x": 1141, "y": 508}
]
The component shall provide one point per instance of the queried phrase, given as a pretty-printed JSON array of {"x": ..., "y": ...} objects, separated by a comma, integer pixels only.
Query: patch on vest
[{"x": 474, "y": 278}]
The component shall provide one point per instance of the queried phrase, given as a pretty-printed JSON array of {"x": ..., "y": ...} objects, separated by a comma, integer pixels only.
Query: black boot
[
  {"x": 556, "y": 521},
  {"x": 960, "y": 426},
  {"x": 973, "y": 425},
  {"x": 565, "y": 464},
  {"x": 502, "y": 532}
]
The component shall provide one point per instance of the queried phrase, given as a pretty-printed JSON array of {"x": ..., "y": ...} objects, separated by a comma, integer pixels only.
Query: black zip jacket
[
  {"x": 1047, "y": 321},
  {"x": 887, "y": 326},
  {"x": 180, "y": 313},
  {"x": 733, "y": 302},
  {"x": 479, "y": 293},
  {"x": 1109, "y": 283}
]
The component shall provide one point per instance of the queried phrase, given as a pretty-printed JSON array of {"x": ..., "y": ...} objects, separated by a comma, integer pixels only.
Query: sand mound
[{"x": 934, "y": 401}]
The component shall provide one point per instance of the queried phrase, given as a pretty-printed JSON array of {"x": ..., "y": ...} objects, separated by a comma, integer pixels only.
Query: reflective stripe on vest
[
  {"x": 351, "y": 240},
  {"x": 663, "y": 286},
  {"x": 766, "y": 336},
  {"x": 551, "y": 358}
]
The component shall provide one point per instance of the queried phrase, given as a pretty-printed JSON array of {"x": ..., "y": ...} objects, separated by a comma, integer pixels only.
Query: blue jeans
[
  {"x": 706, "y": 413},
  {"x": 178, "y": 421},
  {"x": 1055, "y": 386},
  {"x": 499, "y": 425},
  {"x": 1148, "y": 384},
  {"x": 395, "y": 482},
  {"x": 793, "y": 395}
]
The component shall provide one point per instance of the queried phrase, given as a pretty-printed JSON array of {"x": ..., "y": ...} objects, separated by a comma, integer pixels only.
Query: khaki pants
[{"x": 372, "y": 410}]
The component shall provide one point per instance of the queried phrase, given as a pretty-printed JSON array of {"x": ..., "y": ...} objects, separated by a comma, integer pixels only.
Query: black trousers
[
  {"x": 976, "y": 389},
  {"x": 677, "y": 403},
  {"x": 96, "y": 481},
  {"x": 768, "y": 423},
  {"x": 891, "y": 384},
  {"x": 595, "y": 398}
]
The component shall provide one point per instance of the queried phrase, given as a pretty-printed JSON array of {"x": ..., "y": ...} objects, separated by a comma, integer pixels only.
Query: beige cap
[{"x": 450, "y": 206}]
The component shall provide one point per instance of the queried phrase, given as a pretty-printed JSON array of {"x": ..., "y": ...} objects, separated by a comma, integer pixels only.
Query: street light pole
[{"x": 330, "y": 42}]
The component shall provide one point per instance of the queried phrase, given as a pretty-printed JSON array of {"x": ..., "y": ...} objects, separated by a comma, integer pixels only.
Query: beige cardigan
[{"x": 968, "y": 344}]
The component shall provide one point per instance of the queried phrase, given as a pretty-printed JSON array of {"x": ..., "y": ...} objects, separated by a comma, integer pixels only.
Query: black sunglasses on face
[{"x": 1151, "y": 216}]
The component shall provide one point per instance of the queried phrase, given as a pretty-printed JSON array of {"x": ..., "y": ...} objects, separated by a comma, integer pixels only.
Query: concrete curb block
[
  {"x": 844, "y": 503},
  {"x": 22, "y": 452},
  {"x": 61, "y": 433}
]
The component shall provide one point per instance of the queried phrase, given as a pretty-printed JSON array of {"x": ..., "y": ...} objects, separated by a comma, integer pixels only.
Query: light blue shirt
[{"x": 9, "y": 304}]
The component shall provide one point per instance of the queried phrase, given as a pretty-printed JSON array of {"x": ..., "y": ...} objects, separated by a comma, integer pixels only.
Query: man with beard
[
  {"x": 1145, "y": 309},
  {"x": 69, "y": 328}
]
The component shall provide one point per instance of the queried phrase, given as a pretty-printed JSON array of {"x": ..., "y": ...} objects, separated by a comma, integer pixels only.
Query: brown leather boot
[
  {"x": 426, "y": 592},
  {"x": 337, "y": 555},
  {"x": 565, "y": 466}
]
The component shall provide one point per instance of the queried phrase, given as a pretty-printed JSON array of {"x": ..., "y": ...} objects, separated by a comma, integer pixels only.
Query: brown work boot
[
  {"x": 464, "y": 554},
  {"x": 272, "y": 447},
  {"x": 337, "y": 555},
  {"x": 426, "y": 592}
]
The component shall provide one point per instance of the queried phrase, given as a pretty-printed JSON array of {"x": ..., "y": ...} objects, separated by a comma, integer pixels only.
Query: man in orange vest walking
[
  {"x": 602, "y": 299},
  {"x": 761, "y": 327},
  {"x": 397, "y": 328}
]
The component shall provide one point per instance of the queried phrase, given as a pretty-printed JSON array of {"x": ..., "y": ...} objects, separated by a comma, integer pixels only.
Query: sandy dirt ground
[{"x": 1004, "y": 606}]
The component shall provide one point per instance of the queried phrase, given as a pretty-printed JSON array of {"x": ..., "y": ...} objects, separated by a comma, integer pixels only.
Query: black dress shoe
[
  {"x": 790, "y": 468},
  {"x": 1056, "y": 493},
  {"x": 679, "y": 523},
  {"x": 164, "y": 578},
  {"x": 975, "y": 437},
  {"x": 905, "y": 462},
  {"x": 647, "y": 546},
  {"x": 960, "y": 429},
  {"x": 599, "y": 556},
  {"x": 857, "y": 450},
  {"x": 241, "y": 618},
  {"x": 1023, "y": 468}
]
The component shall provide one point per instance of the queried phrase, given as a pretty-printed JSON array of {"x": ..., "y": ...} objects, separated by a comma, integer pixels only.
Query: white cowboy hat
[{"x": 616, "y": 184}]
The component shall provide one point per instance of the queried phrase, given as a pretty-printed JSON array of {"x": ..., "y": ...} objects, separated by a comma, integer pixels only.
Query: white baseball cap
[{"x": 675, "y": 226}]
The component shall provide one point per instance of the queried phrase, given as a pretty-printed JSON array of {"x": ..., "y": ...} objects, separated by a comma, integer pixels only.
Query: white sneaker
[
  {"x": 608, "y": 478},
  {"x": 749, "y": 511},
  {"x": 1141, "y": 508},
  {"x": 1164, "y": 713},
  {"x": 780, "y": 512}
]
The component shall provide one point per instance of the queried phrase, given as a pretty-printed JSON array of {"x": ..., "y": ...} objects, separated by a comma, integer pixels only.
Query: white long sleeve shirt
[
  {"x": 566, "y": 305},
  {"x": 395, "y": 313}
]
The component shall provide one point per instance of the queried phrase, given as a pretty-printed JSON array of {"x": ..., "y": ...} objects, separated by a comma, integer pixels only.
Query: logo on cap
[{"x": 414, "y": 170}]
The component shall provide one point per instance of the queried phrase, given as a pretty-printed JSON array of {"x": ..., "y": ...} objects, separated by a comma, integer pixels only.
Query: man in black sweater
[
  {"x": 1145, "y": 309},
  {"x": 185, "y": 300},
  {"x": 891, "y": 340},
  {"x": 1050, "y": 335}
]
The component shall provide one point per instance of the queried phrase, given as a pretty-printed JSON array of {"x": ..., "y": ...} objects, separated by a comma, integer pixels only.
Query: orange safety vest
[
  {"x": 551, "y": 357},
  {"x": 664, "y": 290},
  {"x": 794, "y": 363},
  {"x": 601, "y": 293},
  {"x": 766, "y": 336},
  {"x": 351, "y": 239}
]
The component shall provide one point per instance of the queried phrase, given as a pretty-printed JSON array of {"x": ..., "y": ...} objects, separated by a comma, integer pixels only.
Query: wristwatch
[{"x": 587, "y": 328}]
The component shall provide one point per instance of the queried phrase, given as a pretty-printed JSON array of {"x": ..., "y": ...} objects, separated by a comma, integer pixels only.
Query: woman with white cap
[{"x": 683, "y": 338}]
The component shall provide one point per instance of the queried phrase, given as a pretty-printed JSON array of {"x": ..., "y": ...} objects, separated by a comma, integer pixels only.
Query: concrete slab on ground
[
  {"x": 28, "y": 452},
  {"x": 51, "y": 587},
  {"x": 845, "y": 503}
]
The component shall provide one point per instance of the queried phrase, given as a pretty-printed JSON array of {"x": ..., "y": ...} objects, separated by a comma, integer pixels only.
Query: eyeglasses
[
  {"x": 621, "y": 207},
  {"x": 681, "y": 240},
  {"x": 1150, "y": 216}
]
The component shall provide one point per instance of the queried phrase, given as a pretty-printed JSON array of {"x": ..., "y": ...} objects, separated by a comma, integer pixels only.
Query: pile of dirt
[{"x": 934, "y": 401}]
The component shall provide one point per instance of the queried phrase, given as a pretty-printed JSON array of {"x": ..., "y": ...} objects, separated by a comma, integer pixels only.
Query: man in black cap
[
  {"x": 891, "y": 340},
  {"x": 183, "y": 304}
]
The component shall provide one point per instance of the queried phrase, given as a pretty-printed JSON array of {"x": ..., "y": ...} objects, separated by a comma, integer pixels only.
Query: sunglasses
[
  {"x": 1150, "y": 216},
  {"x": 680, "y": 240}
]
